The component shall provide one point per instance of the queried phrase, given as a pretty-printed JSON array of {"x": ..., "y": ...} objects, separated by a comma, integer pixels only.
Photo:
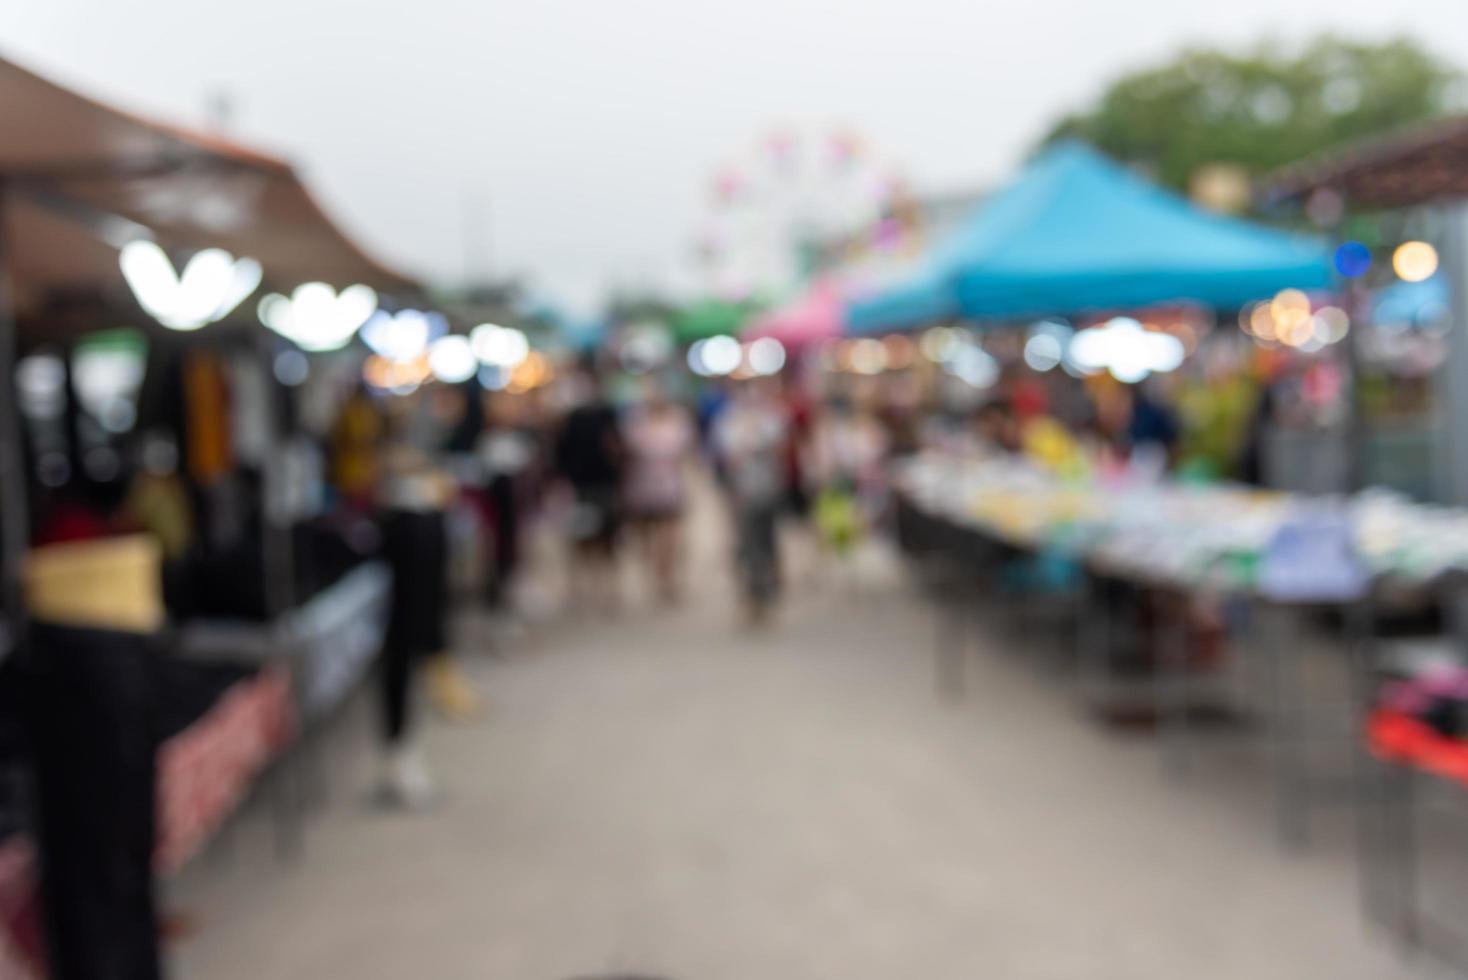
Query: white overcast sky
[{"x": 593, "y": 127}]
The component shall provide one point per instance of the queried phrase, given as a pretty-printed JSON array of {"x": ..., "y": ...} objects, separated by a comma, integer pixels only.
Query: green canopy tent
[{"x": 710, "y": 318}]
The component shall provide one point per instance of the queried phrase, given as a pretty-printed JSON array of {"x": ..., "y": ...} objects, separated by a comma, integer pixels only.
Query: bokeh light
[
  {"x": 900, "y": 349},
  {"x": 1043, "y": 352},
  {"x": 452, "y": 360},
  {"x": 1330, "y": 324},
  {"x": 715, "y": 357},
  {"x": 939, "y": 344},
  {"x": 1414, "y": 261},
  {"x": 1127, "y": 350},
  {"x": 212, "y": 284},
  {"x": 315, "y": 317},
  {"x": 1352, "y": 259},
  {"x": 868, "y": 356},
  {"x": 290, "y": 367},
  {"x": 498, "y": 346},
  {"x": 975, "y": 366},
  {"x": 766, "y": 356}
]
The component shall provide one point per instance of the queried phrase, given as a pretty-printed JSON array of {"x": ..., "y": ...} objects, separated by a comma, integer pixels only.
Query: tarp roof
[
  {"x": 710, "y": 317},
  {"x": 1075, "y": 233},
  {"x": 86, "y": 177},
  {"x": 817, "y": 314},
  {"x": 1412, "y": 303},
  {"x": 1425, "y": 163}
]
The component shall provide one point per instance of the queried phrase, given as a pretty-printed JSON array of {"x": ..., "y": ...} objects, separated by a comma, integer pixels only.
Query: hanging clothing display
[
  {"x": 207, "y": 426},
  {"x": 355, "y": 441},
  {"x": 250, "y": 409}
]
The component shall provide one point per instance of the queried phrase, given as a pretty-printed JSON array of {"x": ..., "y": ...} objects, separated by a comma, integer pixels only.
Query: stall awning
[
  {"x": 1416, "y": 166},
  {"x": 83, "y": 177},
  {"x": 710, "y": 318},
  {"x": 817, "y": 314},
  {"x": 1076, "y": 233}
]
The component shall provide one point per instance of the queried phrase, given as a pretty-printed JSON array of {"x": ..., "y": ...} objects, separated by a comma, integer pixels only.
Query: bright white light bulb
[
  {"x": 975, "y": 366},
  {"x": 205, "y": 282},
  {"x": 274, "y": 311},
  {"x": 721, "y": 355},
  {"x": 452, "y": 360},
  {"x": 354, "y": 307},
  {"x": 244, "y": 279},
  {"x": 1166, "y": 353},
  {"x": 766, "y": 356},
  {"x": 498, "y": 346},
  {"x": 695, "y": 359},
  {"x": 400, "y": 337},
  {"x": 152, "y": 280},
  {"x": 213, "y": 283},
  {"x": 317, "y": 317},
  {"x": 1127, "y": 350},
  {"x": 1042, "y": 352}
]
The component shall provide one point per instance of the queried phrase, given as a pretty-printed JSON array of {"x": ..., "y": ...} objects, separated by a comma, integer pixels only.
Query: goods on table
[{"x": 1169, "y": 533}]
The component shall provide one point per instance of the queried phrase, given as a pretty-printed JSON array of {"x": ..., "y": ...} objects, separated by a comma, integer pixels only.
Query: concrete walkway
[{"x": 665, "y": 794}]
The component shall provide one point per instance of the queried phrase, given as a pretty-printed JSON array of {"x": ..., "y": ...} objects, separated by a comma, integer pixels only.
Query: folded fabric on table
[{"x": 205, "y": 769}]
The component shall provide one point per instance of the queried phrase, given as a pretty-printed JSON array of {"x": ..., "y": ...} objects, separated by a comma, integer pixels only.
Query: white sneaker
[{"x": 405, "y": 781}]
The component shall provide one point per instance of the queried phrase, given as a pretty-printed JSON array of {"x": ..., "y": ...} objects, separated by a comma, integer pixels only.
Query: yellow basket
[{"x": 109, "y": 583}]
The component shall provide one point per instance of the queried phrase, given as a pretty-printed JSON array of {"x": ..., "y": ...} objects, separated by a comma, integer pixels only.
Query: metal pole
[
  {"x": 14, "y": 517},
  {"x": 278, "y": 561},
  {"x": 286, "y": 784},
  {"x": 1358, "y": 434},
  {"x": 1452, "y": 380}
]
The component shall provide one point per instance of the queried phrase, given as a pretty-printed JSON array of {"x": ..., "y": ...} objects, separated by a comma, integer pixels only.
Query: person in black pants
[
  {"x": 415, "y": 547},
  {"x": 589, "y": 457},
  {"x": 416, "y": 550}
]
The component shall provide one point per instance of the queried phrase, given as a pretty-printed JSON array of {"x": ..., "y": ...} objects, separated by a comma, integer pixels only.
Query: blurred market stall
[
  {"x": 1075, "y": 233},
  {"x": 1415, "y": 181},
  {"x": 110, "y": 220}
]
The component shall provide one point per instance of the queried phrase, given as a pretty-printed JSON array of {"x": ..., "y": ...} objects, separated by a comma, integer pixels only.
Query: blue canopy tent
[
  {"x": 1407, "y": 304},
  {"x": 579, "y": 333},
  {"x": 1075, "y": 232}
]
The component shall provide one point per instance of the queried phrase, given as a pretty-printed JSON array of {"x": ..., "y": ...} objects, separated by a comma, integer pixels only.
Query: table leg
[
  {"x": 951, "y": 647},
  {"x": 1285, "y": 732},
  {"x": 1172, "y": 689}
]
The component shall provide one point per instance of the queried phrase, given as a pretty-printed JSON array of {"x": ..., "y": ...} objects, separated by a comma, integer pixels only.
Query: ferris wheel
[{"x": 775, "y": 209}]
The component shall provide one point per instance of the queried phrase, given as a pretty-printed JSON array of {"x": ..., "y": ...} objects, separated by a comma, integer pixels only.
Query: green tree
[{"x": 1264, "y": 108}]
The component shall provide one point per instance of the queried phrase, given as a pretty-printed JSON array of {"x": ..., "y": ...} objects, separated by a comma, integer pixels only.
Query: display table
[
  {"x": 1170, "y": 548},
  {"x": 1417, "y": 738},
  {"x": 205, "y": 769},
  {"x": 327, "y": 643}
]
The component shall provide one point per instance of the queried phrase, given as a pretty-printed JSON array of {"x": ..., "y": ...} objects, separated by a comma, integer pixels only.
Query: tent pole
[
  {"x": 14, "y": 520},
  {"x": 1357, "y": 435},
  {"x": 1452, "y": 380},
  {"x": 278, "y": 558}
]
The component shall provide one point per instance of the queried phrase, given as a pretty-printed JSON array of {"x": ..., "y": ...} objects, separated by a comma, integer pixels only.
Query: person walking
[
  {"x": 849, "y": 447},
  {"x": 659, "y": 438},
  {"x": 750, "y": 438},
  {"x": 589, "y": 456}
]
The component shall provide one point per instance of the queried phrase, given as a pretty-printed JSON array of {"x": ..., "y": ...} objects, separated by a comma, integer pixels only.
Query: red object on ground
[{"x": 1398, "y": 737}]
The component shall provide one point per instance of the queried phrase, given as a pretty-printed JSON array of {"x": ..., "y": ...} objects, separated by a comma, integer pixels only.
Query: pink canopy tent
[{"x": 817, "y": 314}]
